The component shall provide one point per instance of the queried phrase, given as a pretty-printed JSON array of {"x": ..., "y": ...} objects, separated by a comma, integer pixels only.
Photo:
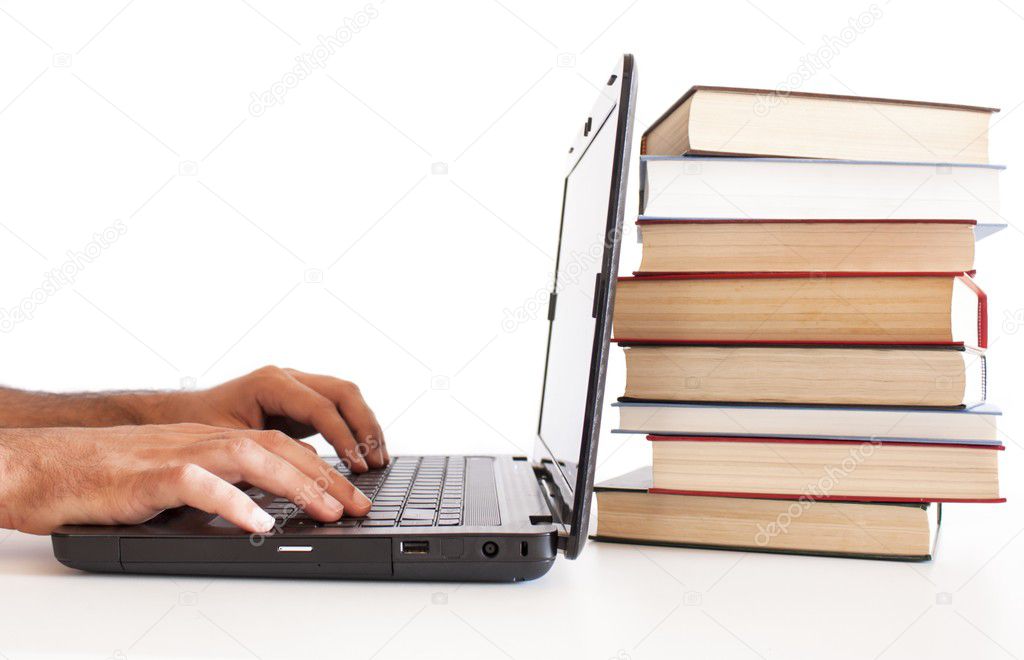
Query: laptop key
[
  {"x": 378, "y": 523},
  {"x": 418, "y": 514}
]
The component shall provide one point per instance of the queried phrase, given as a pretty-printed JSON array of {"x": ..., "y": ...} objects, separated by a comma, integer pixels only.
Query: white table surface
[{"x": 616, "y": 601}]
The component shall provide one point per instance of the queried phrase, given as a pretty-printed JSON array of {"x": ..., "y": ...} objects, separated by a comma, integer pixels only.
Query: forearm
[{"x": 20, "y": 409}]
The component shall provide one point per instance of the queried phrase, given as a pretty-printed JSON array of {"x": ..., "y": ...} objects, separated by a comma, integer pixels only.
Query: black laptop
[{"x": 493, "y": 518}]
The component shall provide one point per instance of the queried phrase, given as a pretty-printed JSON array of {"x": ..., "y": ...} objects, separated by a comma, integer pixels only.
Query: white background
[{"x": 140, "y": 112}]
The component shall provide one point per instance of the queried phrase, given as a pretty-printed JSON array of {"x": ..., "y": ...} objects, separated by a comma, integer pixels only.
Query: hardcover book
[
  {"x": 971, "y": 424},
  {"x": 799, "y": 189},
  {"x": 838, "y": 470},
  {"x": 816, "y": 308},
  {"x": 750, "y": 122},
  {"x": 714, "y": 246},
  {"x": 859, "y": 376},
  {"x": 628, "y": 512}
]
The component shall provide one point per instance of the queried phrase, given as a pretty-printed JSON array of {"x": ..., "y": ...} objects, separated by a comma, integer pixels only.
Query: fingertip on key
[
  {"x": 334, "y": 505},
  {"x": 261, "y": 520},
  {"x": 362, "y": 502}
]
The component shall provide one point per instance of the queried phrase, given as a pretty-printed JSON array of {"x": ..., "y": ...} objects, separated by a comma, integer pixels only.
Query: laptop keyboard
[{"x": 413, "y": 491}]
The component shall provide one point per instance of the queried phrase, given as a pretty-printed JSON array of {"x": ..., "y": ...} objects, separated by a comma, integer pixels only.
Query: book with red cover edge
[
  {"x": 951, "y": 346},
  {"x": 967, "y": 277},
  {"x": 772, "y": 275},
  {"x": 639, "y": 481},
  {"x": 825, "y": 498},
  {"x": 641, "y": 221},
  {"x": 629, "y": 341}
]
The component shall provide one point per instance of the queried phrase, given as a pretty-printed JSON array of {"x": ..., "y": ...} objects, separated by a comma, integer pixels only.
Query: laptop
[{"x": 456, "y": 518}]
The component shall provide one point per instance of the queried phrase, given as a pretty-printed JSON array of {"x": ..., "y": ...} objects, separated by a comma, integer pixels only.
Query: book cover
[
  {"x": 638, "y": 483},
  {"x": 968, "y": 424},
  {"x": 697, "y": 187}
]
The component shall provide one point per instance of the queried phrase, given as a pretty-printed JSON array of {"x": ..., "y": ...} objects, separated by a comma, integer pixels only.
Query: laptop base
[{"x": 519, "y": 544}]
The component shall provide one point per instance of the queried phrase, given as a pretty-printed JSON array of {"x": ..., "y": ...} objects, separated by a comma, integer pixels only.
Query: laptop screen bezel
[{"x": 573, "y": 490}]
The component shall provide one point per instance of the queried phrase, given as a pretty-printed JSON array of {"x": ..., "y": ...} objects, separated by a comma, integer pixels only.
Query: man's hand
[
  {"x": 127, "y": 475},
  {"x": 297, "y": 403}
]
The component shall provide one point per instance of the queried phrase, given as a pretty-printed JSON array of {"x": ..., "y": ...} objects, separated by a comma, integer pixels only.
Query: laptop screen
[{"x": 580, "y": 308}]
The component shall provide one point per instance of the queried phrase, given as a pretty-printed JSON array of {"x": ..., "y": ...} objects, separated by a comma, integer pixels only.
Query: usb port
[{"x": 415, "y": 547}]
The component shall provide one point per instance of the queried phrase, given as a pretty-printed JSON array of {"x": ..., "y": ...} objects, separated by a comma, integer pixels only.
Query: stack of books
[{"x": 804, "y": 339}]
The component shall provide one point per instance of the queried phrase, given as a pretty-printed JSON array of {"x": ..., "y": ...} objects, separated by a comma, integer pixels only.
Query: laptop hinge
[{"x": 551, "y": 497}]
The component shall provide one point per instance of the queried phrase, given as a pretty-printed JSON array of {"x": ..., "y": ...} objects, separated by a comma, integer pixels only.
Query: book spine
[
  {"x": 968, "y": 279},
  {"x": 984, "y": 378}
]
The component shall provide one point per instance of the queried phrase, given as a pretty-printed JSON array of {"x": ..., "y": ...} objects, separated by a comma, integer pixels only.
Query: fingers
[
  {"x": 285, "y": 395},
  {"x": 240, "y": 458},
  {"x": 355, "y": 411},
  {"x": 192, "y": 485},
  {"x": 325, "y": 476}
]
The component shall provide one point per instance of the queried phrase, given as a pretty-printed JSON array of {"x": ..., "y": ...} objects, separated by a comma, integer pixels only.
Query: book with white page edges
[
  {"x": 974, "y": 424},
  {"x": 715, "y": 188}
]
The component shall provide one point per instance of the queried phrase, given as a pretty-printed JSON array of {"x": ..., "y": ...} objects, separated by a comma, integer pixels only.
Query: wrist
[
  {"x": 147, "y": 407},
  {"x": 6, "y": 520}
]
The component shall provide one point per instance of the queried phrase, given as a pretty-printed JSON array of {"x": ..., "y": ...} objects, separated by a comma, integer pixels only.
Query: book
[
  {"x": 628, "y": 512},
  {"x": 830, "y": 308},
  {"x": 799, "y": 189},
  {"x": 860, "y": 376},
  {"x": 905, "y": 246},
  {"x": 969, "y": 424},
  {"x": 804, "y": 338},
  {"x": 826, "y": 469},
  {"x": 730, "y": 120}
]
